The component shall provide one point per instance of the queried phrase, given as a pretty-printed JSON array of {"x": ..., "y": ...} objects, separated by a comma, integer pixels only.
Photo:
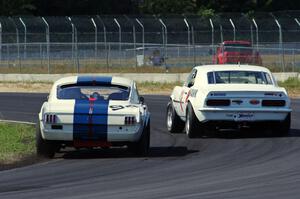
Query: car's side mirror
[
  {"x": 190, "y": 84},
  {"x": 142, "y": 100}
]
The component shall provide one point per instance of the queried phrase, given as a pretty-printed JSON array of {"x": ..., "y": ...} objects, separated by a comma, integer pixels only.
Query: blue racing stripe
[{"x": 90, "y": 117}]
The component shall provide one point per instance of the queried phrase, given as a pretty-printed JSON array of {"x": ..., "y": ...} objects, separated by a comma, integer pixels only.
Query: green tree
[
  {"x": 16, "y": 7},
  {"x": 168, "y": 6},
  {"x": 84, "y": 7}
]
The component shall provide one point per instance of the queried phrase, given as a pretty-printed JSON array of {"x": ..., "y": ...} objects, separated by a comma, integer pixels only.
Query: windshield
[
  {"x": 243, "y": 48},
  {"x": 239, "y": 77},
  {"x": 105, "y": 92}
]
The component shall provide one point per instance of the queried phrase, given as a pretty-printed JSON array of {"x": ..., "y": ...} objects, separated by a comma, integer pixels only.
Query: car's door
[{"x": 185, "y": 93}]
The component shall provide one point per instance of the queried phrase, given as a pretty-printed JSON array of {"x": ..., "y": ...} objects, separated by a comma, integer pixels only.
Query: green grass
[
  {"x": 292, "y": 85},
  {"x": 177, "y": 65},
  {"x": 17, "y": 141},
  {"x": 90, "y": 68},
  {"x": 156, "y": 87}
]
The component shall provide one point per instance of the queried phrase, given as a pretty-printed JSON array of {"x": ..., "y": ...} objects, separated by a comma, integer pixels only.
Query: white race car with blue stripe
[{"x": 93, "y": 111}]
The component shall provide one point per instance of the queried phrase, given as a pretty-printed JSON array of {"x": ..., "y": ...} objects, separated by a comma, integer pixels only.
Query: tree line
[{"x": 131, "y": 7}]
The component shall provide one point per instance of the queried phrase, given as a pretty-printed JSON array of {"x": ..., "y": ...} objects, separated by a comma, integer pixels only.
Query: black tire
[
  {"x": 283, "y": 127},
  {"x": 174, "y": 123},
  {"x": 141, "y": 148},
  {"x": 44, "y": 148},
  {"x": 193, "y": 128}
]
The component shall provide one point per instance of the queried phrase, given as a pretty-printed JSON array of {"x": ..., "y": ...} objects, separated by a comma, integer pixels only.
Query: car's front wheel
[
  {"x": 193, "y": 128},
  {"x": 44, "y": 148},
  {"x": 174, "y": 123}
]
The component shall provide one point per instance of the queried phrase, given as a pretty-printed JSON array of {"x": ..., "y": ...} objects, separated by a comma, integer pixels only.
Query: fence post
[
  {"x": 163, "y": 37},
  {"x": 294, "y": 60},
  {"x": 194, "y": 47},
  {"x": 143, "y": 38},
  {"x": 18, "y": 43},
  {"x": 8, "y": 56},
  {"x": 188, "y": 38},
  {"x": 251, "y": 35},
  {"x": 25, "y": 37},
  {"x": 48, "y": 42},
  {"x": 281, "y": 45},
  {"x": 120, "y": 39},
  {"x": 96, "y": 38},
  {"x": 297, "y": 21},
  {"x": 165, "y": 41},
  {"x": 212, "y": 39},
  {"x": 105, "y": 42},
  {"x": 234, "y": 29},
  {"x": 134, "y": 38},
  {"x": 0, "y": 41},
  {"x": 73, "y": 38},
  {"x": 74, "y": 43},
  {"x": 221, "y": 33},
  {"x": 256, "y": 29}
]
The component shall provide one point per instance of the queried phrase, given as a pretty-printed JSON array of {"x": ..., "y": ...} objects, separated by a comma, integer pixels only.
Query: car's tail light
[
  {"x": 254, "y": 102},
  {"x": 50, "y": 118},
  {"x": 130, "y": 120},
  {"x": 273, "y": 103},
  {"x": 218, "y": 102}
]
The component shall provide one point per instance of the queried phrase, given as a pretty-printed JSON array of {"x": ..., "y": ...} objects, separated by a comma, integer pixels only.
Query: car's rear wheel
[
  {"x": 283, "y": 127},
  {"x": 44, "y": 148},
  {"x": 141, "y": 148},
  {"x": 193, "y": 128},
  {"x": 174, "y": 123}
]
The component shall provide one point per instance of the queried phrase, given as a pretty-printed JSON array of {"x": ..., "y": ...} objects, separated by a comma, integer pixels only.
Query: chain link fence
[{"x": 102, "y": 43}]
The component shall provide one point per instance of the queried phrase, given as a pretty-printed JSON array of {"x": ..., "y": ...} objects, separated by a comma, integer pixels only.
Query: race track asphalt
[{"x": 225, "y": 165}]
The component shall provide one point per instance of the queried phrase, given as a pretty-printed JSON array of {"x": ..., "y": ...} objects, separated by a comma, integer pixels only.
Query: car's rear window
[
  {"x": 238, "y": 77},
  {"x": 243, "y": 48},
  {"x": 105, "y": 92}
]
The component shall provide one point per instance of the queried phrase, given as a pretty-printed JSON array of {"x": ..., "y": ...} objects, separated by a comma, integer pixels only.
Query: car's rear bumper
[
  {"x": 114, "y": 133},
  {"x": 242, "y": 115}
]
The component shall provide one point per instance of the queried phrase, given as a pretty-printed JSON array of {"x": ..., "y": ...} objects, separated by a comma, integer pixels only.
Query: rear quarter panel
[{"x": 176, "y": 98}]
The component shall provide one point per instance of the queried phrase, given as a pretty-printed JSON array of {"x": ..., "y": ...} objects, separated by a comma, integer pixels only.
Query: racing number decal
[
  {"x": 187, "y": 96},
  {"x": 116, "y": 107},
  {"x": 180, "y": 101},
  {"x": 183, "y": 100}
]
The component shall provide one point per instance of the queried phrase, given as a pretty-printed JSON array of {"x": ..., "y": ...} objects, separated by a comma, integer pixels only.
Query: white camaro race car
[
  {"x": 228, "y": 97},
  {"x": 93, "y": 111}
]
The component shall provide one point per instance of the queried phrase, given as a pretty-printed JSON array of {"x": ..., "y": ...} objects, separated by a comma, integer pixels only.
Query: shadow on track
[
  {"x": 248, "y": 133},
  {"x": 155, "y": 152}
]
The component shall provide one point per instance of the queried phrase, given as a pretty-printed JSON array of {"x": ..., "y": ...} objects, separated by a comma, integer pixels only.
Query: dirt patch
[
  {"x": 20, "y": 162},
  {"x": 25, "y": 87}
]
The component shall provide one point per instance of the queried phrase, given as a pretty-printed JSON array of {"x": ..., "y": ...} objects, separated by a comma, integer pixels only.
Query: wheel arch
[{"x": 198, "y": 114}]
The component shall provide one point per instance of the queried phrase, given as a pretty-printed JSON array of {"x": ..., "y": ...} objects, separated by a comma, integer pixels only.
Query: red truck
[{"x": 233, "y": 52}]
